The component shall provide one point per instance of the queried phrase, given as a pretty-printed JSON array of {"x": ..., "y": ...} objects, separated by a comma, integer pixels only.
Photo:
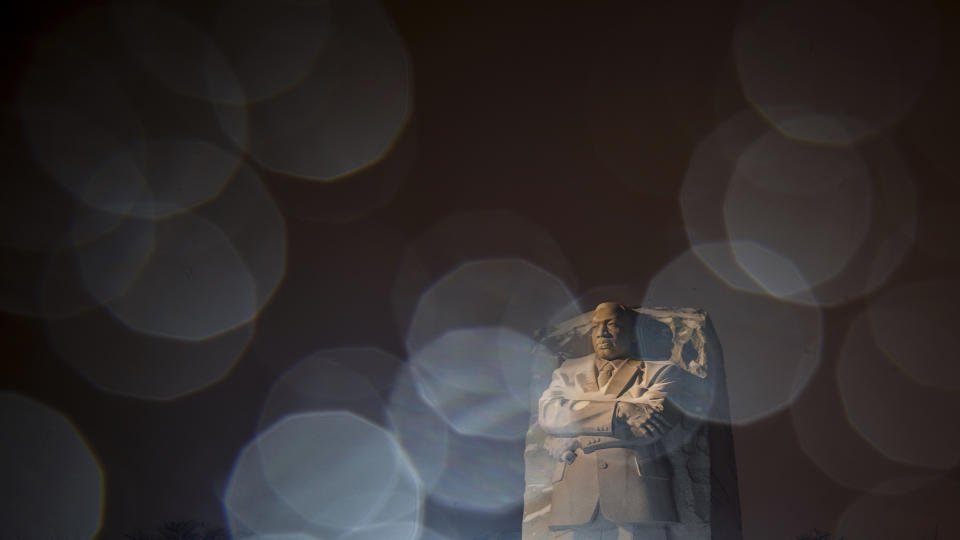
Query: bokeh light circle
[
  {"x": 35, "y": 212},
  {"x": 809, "y": 203},
  {"x": 834, "y": 72},
  {"x": 254, "y": 509},
  {"x": 281, "y": 536},
  {"x": 73, "y": 105},
  {"x": 905, "y": 507},
  {"x": 246, "y": 212},
  {"x": 191, "y": 275},
  {"x": 271, "y": 47},
  {"x": 938, "y": 229},
  {"x": 176, "y": 52},
  {"x": 154, "y": 178},
  {"x": 210, "y": 270},
  {"x": 839, "y": 219},
  {"x": 914, "y": 325},
  {"x": 118, "y": 360},
  {"x": 769, "y": 271},
  {"x": 510, "y": 292},
  {"x": 53, "y": 481},
  {"x": 351, "y": 379},
  {"x": 479, "y": 379},
  {"x": 771, "y": 348},
  {"x": 336, "y": 469},
  {"x": 474, "y": 473},
  {"x": 482, "y": 475},
  {"x": 420, "y": 429},
  {"x": 110, "y": 250},
  {"x": 332, "y": 469},
  {"x": 470, "y": 237},
  {"x": 388, "y": 531},
  {"x": 901, "y": 418},
  {"x": 347, "y": 111},
  {"x": 835, "y": 446},
  {"x": 194, "y": 286},
  {"x": 90, "y": 115},
  {"x": 110, "y": 263}
]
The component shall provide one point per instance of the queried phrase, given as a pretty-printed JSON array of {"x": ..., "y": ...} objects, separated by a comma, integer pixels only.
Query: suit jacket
[{"x": 625, "y": 471}]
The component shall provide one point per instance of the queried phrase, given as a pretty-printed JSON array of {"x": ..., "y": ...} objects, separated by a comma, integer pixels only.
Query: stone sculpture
[{"x": 619, "y": 448}]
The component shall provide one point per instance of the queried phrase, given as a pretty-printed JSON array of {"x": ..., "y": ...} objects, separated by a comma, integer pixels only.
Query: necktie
[{"x": 605, "y": 373}]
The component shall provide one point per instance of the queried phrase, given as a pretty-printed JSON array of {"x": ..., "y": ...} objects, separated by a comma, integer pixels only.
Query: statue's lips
[{"x": 604, "y": 344}]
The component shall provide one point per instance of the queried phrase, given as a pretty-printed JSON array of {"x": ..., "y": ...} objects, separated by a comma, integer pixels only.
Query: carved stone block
[{"x": 698, "y": 445}]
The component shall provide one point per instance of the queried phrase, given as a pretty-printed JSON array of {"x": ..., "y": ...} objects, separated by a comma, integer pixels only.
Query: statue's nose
[{"x": 605, "y": 332}]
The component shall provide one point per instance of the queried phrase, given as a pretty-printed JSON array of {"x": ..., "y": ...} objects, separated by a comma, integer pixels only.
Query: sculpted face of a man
[{"x": 612, "y": 333}]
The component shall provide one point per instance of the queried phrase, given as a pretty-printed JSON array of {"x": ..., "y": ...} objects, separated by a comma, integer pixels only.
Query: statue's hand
[
  {"x": 640, "y": 421},
  {"x": 562, "y": 448}
]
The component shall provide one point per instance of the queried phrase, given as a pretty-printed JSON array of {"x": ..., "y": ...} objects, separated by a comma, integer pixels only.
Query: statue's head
[{"x": 612, "y": 333}]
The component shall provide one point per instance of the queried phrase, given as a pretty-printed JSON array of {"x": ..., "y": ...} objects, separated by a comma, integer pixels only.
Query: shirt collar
[{"x": 616, "y": 363}]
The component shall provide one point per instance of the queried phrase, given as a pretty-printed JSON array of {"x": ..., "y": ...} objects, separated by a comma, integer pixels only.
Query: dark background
[{"x": 579, "y": 118}]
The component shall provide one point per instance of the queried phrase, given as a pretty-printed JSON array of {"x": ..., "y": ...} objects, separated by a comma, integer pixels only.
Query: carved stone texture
[{"x": 687, "y": 456}]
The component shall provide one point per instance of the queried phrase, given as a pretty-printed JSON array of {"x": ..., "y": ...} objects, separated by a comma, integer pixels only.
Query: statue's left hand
[{"x": 640, "y": 421}]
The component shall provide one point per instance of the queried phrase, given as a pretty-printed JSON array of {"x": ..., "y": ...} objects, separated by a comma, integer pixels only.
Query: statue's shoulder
[
  {"x": 667, "y": 371},
  {"x": 661, "y": 369}
]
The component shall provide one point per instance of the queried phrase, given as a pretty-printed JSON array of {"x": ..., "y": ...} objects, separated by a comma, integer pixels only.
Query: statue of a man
[{"x": 606, "y": 415}]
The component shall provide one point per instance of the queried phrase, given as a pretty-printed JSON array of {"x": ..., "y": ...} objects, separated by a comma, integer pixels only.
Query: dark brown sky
[{"x": 572, "y": 136}]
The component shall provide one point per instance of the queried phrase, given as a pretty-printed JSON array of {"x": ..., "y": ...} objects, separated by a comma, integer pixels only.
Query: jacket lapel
[
  {"x": 623, "y": 378},
  {"x": 587, "y": 377}
]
